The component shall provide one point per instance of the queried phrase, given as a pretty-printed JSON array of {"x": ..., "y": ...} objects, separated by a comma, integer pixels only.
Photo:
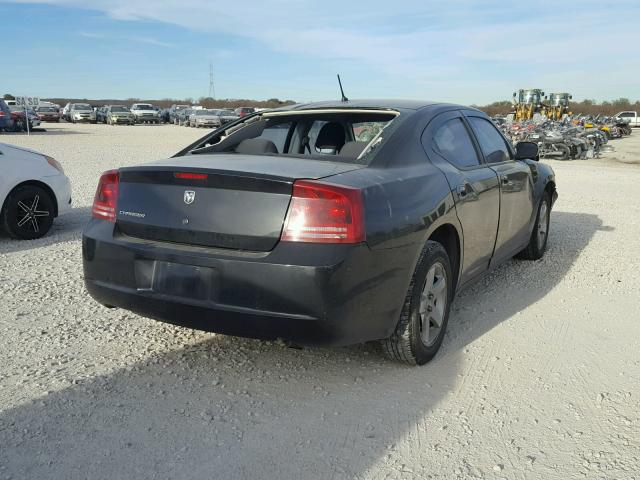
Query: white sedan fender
[{"x": 22, "y": 165}]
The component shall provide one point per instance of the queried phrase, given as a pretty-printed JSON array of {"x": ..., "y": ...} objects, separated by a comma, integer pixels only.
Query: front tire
[
  {"x": 540, "y": 235},
  {"x": 425, "y": 314},
  {"x": 28, "y": 212}
]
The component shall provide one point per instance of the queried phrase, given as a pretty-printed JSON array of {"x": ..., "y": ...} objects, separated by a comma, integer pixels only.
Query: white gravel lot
[{"x": 538, "y": 378}]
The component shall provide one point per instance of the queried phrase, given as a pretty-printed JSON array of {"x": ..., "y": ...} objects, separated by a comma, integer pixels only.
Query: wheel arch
[
  {"x": 447, "y": 236},
  {"x": 550, "y": 188},
  {"x": 36, "y": 183}
]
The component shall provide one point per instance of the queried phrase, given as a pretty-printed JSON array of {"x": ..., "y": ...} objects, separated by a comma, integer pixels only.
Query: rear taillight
[
  {"x": 1, "y": 114},
  {"x": 324, "y": 213},
  {"x": 106, "y": 200}
]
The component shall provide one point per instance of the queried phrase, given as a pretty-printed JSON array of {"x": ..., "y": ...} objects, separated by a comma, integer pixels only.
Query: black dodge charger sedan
[{"x": 326, "y": 223}]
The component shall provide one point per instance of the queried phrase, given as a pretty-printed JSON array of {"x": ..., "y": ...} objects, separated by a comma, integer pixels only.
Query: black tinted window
[
  {"x": 452, "y": 141},
  {"x": 491, "y": 142}
]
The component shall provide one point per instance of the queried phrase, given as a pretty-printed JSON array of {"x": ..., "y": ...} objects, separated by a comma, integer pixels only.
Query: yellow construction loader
[
  {"x": 558, "y": 105},
  {"x": 527, "y": 102}
]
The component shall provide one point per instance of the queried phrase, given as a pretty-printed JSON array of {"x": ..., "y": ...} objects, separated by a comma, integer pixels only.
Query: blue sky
[{"x": 461, "y": 50}]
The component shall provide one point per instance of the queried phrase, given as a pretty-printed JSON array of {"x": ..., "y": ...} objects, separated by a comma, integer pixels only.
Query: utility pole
[{"x": 212, "y": 90}]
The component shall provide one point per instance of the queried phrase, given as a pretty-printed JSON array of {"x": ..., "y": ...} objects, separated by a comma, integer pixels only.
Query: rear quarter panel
[{"x": 406, "y": 199}]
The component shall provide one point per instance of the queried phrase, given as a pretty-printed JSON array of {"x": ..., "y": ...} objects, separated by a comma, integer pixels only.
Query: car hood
[
  {"x": 207, "y": 117},
  {"x": 143, "y": 111}
]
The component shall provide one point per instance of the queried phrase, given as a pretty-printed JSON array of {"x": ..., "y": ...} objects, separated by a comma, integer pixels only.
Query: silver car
[
  {"x": 204, "y": 118},
  {"x": 118, "y": 115},
  {"x": 82, "y": 112}
]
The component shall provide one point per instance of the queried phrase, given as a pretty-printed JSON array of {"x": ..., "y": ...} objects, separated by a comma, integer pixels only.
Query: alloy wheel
[
  {"x": 433, "y": 303},
  {"x": 543, "y": 224},
  {"x": 28, "y": 216}
]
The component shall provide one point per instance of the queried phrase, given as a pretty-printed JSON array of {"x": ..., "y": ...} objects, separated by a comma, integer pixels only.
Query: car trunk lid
[{"x": 224, "y": 200}]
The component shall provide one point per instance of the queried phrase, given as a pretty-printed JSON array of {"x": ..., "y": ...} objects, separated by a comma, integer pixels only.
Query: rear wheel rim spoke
[
  {"x": 433, "y": 301},
  {"x": 34, "y": 205},
  {"x": 23, "y": 220},
  {"x": 23, "y": 206},
  {"x": 542, "y": 224}
]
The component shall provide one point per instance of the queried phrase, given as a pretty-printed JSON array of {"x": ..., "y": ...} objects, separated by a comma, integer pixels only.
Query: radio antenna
[{"x": 344, "y": 98}]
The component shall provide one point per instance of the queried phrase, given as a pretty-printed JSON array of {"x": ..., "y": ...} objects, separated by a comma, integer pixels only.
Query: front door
[{"x": 517, "y": 205}]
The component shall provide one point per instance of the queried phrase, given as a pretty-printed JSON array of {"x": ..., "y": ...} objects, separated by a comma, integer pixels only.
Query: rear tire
[
  {"x": 28, "y": 212},
  {"x": 540, "y": 235},
  {"x": 425, "y": 314}
]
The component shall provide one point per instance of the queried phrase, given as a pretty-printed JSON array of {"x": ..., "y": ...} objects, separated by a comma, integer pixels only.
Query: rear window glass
[
  {"x": 277, "y": 134},
  {"x": 339, "y": 135}
]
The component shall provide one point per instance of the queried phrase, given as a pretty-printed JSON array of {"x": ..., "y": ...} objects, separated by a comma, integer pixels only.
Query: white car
[
  {"x": 33, "y": 191},
  {"x": 632, "y": 118},
  {"x": 145, "y": 113}
]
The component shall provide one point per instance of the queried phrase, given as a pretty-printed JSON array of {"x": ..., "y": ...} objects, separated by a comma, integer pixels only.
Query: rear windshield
[
  {"x": 119, "y": 109},
  {"x": 348, "y": 136}
]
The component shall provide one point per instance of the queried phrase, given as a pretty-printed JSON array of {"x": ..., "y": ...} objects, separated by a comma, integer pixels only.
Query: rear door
[
  {"x": 474, "y": 186},
  {"x": 517, "y": 203}
]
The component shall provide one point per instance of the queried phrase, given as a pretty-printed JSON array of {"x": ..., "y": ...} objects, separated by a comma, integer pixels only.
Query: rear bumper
[{"x": 309, "y": 294}]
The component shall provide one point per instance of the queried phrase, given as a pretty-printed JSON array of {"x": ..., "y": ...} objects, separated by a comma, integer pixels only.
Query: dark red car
[
  {"x": 48, "y": 114},
  {"x": 244, "y": 111}
]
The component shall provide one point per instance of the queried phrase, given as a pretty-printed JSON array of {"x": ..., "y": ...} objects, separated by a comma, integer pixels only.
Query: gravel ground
[{"x": 538, "y": 378}]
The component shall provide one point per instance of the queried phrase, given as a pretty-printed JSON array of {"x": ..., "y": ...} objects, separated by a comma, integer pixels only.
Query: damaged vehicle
[{"x": 328, "y": 223}]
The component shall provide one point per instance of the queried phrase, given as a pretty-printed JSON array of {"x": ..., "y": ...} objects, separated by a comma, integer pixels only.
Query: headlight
[{"x": 54, "y": 163}]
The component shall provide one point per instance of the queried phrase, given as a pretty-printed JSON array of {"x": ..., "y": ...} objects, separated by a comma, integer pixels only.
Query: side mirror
[
  {"x": 526, "y": 150},
  {"x": 514, "y": 94}
]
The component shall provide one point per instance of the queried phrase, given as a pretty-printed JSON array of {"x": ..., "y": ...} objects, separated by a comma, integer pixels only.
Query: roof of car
[{"x": 376, "y": 103}]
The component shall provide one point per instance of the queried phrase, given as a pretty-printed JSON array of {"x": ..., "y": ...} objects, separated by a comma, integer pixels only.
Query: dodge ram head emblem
[{"x": 189, "y": 196}]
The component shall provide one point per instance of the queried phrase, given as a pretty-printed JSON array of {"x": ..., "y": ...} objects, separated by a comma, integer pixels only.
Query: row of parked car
[{"x": 12, "y": 118}]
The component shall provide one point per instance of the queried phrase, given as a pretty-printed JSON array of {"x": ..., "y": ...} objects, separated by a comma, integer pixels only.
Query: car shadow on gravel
[
  {"x": 233, "y": 408},
  {"x": 49, "y": 131},
  {"x": 65, "y": 228}
]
